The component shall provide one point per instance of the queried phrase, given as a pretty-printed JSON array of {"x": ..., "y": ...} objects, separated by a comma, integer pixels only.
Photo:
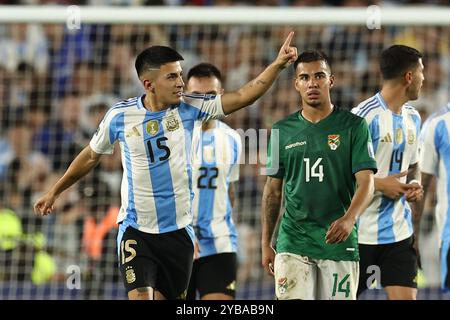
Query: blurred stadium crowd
[{"x": 56, "y": 84}]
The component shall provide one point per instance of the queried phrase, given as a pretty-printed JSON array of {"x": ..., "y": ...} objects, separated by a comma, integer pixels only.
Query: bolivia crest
[{"x": 334, "y": 141}]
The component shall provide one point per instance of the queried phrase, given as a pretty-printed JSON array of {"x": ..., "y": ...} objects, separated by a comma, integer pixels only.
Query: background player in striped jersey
[
  {"x": 386, "y": 227},
  {"x": 155, "y": 135},
  {"x": 323, "y": 153},
  {"x": 215, "y": 165},
  {"x": 435, "y": 160}
]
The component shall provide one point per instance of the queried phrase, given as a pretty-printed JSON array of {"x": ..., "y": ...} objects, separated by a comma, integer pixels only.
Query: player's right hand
[
  {"x": 287, "y": 54},
  {"x": 268, "y": 259},
  {"x": 392, "y": 188},
  {"x": 44, "y": 205}
]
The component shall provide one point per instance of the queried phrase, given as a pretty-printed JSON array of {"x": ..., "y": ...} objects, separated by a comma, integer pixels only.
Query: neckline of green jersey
[{"x": 302, "y": 118}]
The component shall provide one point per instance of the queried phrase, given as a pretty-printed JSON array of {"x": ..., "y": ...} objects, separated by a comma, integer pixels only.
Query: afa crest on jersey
[
  {"x": 171, "y": 123},
  {"x": 334, "y": 141}
]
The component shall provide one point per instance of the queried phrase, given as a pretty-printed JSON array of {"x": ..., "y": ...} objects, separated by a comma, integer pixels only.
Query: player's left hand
[
  {"x": 287, "y": 54},
  {"x": 339, "y": 230},
  {"x": 196, "y": 250},
  {"x": 414, "y": 194}
]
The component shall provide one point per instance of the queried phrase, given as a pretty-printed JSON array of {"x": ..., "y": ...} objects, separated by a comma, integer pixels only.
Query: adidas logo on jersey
[
  {"x": 387, "y": 138},
  {"x": 133, "y": 133}
]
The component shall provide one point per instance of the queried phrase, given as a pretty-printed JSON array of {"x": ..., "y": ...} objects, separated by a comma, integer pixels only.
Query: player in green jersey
[{"x": 324, "y": 157}]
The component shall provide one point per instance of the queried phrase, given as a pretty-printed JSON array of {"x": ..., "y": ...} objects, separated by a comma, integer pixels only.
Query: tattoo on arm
[
  {"x": 258, "y": 83},
  {"x": 271, "y": 209},
  {"x": 261, "y": 82}
]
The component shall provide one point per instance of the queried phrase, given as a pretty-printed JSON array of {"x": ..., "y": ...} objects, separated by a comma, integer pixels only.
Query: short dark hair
[
  {"x": 155, "y": 57},
  {"x": 204, "y": 70},
  {"x": 311, "y": 56},
  {"x": 397, "y": 59}
]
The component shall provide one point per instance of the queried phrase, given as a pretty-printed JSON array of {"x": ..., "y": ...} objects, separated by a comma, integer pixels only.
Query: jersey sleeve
[
  {"x": 274, "y": 167},
  {"x": 415, "y": 155},
  {"x": 106, "y": 135},
  {"x": 205, "y": 106},
  {"x": 237, "y": 150},
  {"x": 363, "y": 157},
  {"x": 429, "y": 157}
]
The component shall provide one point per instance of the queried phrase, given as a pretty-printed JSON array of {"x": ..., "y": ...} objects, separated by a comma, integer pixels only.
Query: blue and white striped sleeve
[
  {"x": 429, "y": 157},
  {"x": 418, "y": 122},
  {"x": 107, "y": 133},
  {"x": 207, "y": 106}
]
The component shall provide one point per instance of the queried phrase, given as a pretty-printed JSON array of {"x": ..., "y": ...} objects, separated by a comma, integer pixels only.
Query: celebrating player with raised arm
[{"x": 155, "y": 134}]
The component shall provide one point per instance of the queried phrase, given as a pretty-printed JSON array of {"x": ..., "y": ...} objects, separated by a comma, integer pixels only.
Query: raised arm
[
  {"x": 341, "y": 228},
  {"x": 80, "y": 166},
  {"x": 250, "y": 92},
  {"x": 271, "y": 203}
]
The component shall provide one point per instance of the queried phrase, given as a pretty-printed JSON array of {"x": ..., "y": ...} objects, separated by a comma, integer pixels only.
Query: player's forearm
[
  {"x": 417, "y": 207},
  {"x": 378, "y": 184},
  {"x": 231, "y": 194},
  {"x": 362, "y": 196},
  {"x": 270, "y": 210},
  {"x": 416, "y": 217},
  {"x": 250, "y": 92},
  {"x": 80, "y": 166}
]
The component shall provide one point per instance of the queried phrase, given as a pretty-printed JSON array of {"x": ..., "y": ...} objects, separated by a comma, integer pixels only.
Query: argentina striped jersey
[
  {"x": 435, "y": 159},
  {"x": 396, "y": 146},
  {"x": 216, "y": 163},
  {"x": 156, "y": 190}
]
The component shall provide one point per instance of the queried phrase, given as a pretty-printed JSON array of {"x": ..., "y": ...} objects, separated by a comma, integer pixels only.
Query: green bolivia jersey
[{"x": 318, "y": 163}]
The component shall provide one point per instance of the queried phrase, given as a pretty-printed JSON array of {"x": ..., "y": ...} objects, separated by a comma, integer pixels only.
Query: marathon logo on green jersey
[{"x": 295, "y": 144}]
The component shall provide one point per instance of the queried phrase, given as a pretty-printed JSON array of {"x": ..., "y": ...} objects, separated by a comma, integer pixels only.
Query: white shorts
[{"x": 299, "y": 277}]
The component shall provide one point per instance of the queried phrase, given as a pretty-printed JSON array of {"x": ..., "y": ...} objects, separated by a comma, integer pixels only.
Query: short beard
[{"x": 413, "y": 95}]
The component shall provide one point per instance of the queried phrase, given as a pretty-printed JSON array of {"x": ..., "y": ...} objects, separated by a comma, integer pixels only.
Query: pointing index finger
[{"x": 287, "y": 42}]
